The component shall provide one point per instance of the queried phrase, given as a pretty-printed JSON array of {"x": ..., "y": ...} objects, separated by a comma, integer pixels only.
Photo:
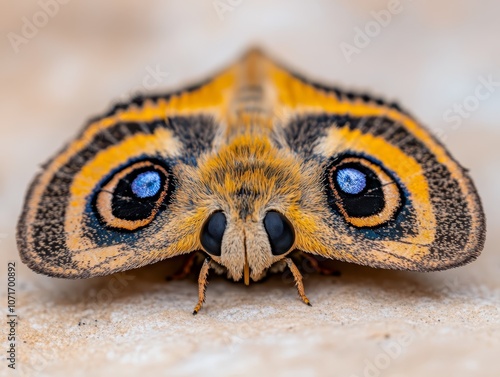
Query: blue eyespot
[
  {"x": 146, "y": 184},
  {"x": 351, "y": 181}
]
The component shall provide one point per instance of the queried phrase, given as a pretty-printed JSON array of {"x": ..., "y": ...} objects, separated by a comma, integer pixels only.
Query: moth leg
[
  {"x": 298, "y": 280},
  {"x": 315, "y": 264},
  {"x": 202, "y": 284}
]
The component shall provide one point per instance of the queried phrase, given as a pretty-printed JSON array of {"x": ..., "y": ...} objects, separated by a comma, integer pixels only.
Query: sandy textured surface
[{"x": 365, "y": 322}]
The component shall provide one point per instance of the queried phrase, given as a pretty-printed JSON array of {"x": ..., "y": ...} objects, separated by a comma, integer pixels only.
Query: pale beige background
[{"x": 367, "y": 322}]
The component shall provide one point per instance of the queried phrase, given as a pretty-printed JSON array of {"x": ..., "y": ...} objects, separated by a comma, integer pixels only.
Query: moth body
[{"x": 250, "y": 166}]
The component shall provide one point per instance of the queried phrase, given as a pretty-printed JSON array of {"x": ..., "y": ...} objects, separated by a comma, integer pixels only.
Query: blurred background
[{"x": 64, "y": 61}]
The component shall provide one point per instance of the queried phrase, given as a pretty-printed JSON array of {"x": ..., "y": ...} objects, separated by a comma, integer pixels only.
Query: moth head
[
  {"x": 236, "y": 243},
  {"x": 246, "y": 198}
]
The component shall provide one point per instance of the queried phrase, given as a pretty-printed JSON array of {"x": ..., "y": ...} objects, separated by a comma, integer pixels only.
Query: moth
[{"x": 248, "y": 167}]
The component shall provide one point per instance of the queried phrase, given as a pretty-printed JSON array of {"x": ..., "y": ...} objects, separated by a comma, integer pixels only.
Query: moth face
[
  {"x": 248, "y": 167},
  {"x": 250, "y": 192}
]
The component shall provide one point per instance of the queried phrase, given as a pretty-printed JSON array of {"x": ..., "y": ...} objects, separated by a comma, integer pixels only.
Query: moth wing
[
  {"x": 76, "y": 221},
  {"x": 432, "y": 219}
]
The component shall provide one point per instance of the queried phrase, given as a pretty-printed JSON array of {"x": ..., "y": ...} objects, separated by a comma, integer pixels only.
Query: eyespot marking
[
  {"x": 363, "y": 192},
  {"x": 351, "y": 181},
  {"x": 146, "y": 184},
  {"x": 133, "y": 196}
]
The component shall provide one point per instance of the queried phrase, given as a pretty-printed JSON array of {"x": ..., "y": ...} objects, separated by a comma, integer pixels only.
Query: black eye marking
[
  {"x": 212, "y": 233},
  {"x": 280, "y": 232},
  {"x": 363, "y": 192},
  {"x": 134, "y": 195}
]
